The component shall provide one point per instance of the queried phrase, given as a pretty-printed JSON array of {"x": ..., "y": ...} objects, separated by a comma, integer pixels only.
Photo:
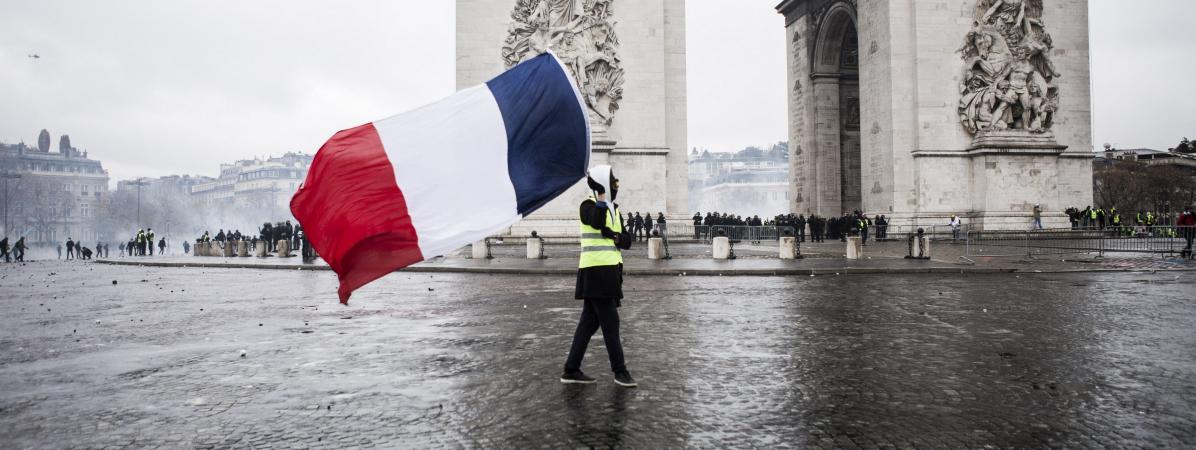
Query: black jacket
[{"x": 601, "y": 282}]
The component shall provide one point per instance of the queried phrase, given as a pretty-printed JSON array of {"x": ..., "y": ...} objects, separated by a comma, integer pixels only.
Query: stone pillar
[
  {"x": 722, "y": 247},
  {"x": 535, "y": 248},
  {"x": 242, "y": 249},
  {"x": 655, "y": 248},
  {"x": 284, "y": 248},
  {"x": 855, "y": 248},
  {"x": 481, "y": 249},
  {"x": 828, "y": 200},
  {"x": 788, "y": 248},
  {"x": 229, "y": 250},
  {"x": 262, "y": 250}
]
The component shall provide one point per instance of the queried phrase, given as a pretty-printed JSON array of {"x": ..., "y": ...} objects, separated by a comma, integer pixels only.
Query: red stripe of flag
[{"x": 352, "y": 211}]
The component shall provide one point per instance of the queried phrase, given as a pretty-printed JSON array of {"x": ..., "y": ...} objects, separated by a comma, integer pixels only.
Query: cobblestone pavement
[{"x": 459, "y": 360}]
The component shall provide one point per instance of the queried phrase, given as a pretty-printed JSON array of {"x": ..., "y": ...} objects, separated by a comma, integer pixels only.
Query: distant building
[
  {"x": 265, "y": 185},
  {"x": 167, "y": 185},
  {"x": 58, "y": 195},
  {"x": 752, "y": 181},
  {"x": 1146, "y": 156}
]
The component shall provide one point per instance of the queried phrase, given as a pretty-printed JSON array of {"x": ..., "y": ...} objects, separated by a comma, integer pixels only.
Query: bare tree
[
  {"x": 1132, "y": 186},
  {"x": 45, "y": 204}
]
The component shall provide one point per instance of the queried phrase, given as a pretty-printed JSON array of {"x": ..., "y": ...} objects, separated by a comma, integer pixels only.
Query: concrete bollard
[
  {"x": 722, "y": 247},
  {"x": 481, "y": 249},
  {"x": 229, "y": 250},
  {"x": 922, "y": 247},
  {"x": 284, "y": 248},
  {"x": 788, "y": 248},
  {"x": 535, "y": 248},
  {"x": 855, "y": 248},
  {"x": 655, "y": 248},
  {"x": 242, "y": 249},
  {"x": 197, "y": 249},
  {"x": 261, "y": 251}
]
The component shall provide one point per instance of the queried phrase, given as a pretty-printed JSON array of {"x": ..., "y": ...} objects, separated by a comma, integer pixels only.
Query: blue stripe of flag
[{"x": 548, "y": 142}]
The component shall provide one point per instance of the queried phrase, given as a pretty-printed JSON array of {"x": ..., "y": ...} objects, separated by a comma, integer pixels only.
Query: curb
[{"x": 664, "y": 272}]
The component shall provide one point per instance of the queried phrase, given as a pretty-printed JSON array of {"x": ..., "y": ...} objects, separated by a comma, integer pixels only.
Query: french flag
[{"x": 394, "y": 192}]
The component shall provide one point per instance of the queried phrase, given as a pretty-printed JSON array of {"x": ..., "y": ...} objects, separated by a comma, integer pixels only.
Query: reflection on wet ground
[{"x": 422, "y": 360}]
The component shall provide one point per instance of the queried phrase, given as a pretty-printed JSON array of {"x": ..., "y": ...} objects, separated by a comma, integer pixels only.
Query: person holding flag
[{"x": 600, "y": 278}]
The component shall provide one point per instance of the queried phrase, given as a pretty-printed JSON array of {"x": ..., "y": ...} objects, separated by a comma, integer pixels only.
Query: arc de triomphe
[
  {"x": 916, "y": 109},
  {"x": 923, "y": 109}
]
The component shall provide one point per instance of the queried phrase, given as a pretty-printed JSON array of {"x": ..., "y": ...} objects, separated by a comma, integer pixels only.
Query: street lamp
[
  {"x": 274, "y": 190},
  {"x": 6, "y": 177},
  {"x": 139, "y": 183}
]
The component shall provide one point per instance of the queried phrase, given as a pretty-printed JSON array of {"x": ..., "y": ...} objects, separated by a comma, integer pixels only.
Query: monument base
[{"x": 998, "y": 180}]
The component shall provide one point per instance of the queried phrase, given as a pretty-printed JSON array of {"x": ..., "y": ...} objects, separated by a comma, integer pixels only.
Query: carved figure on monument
[
  {"x": 1006, "y": 100},
  {"x": 1035, "y": 110},
  {"x": 852, "y": 117},
  {"x": 1008, "y": 78},
  {"x": 583, "y": 37}
]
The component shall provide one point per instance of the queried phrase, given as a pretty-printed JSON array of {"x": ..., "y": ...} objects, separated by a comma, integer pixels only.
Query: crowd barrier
[
  {"x": 1030, "y": 244},
  {"x": 244, "y": 249}
]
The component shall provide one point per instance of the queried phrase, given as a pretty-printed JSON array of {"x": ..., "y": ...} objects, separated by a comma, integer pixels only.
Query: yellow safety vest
[{"x": 597, "y": 250}]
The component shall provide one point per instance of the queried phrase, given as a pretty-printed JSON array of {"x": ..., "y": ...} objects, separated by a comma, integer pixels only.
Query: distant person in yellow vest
[{"x": 600, "y": 278}]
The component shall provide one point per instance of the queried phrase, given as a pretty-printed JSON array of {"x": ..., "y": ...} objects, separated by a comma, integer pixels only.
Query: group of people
[
  {"x": 645, "y": 226},
  {"x": 17, "y": 252},
  {"x": 142, "y": 244},
  {"x": 819, "y": 228},
  {"x": 76, "y": 250},
  {"x": 1100, "y": 218},
  {"x": 269, "y": 233},
  {"x": 283, "y": 231}
]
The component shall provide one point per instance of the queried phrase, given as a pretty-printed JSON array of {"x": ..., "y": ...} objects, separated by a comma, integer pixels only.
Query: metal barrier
[
  {"x": 1061, "y": 241},
  {"x": 940, "y": 232},
  {"x": 707, "y": 233}
]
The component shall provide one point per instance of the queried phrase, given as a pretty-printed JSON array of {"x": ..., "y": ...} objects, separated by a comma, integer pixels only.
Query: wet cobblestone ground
[{"x": 457, "y": 360}]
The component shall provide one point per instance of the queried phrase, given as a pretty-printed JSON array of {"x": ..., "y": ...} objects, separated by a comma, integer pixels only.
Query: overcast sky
[{"x": 154, "y": 88}]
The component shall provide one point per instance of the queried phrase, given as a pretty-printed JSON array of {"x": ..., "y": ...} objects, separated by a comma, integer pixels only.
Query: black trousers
[{"x": 597, "y": 314}]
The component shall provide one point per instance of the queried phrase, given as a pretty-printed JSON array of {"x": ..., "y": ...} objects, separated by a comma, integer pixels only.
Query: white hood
[{"x": 601, "y": 175}]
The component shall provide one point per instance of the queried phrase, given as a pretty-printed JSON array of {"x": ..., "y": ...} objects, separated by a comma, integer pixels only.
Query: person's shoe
[
  {"x": 624, "y": 379},
  {"x": 576, "y": 378}
]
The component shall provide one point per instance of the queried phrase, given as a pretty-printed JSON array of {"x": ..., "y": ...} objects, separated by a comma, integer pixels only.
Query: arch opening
[{"x": 836, "y": 71}]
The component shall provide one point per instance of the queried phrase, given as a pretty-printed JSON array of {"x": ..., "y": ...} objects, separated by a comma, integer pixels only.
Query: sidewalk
[{"x": 694, "y": 260}]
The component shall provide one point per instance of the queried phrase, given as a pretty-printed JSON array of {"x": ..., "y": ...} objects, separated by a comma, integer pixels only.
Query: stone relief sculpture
[
  {"x": 1008, "y": 76},
  {"x": 582, "y": 35}
]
